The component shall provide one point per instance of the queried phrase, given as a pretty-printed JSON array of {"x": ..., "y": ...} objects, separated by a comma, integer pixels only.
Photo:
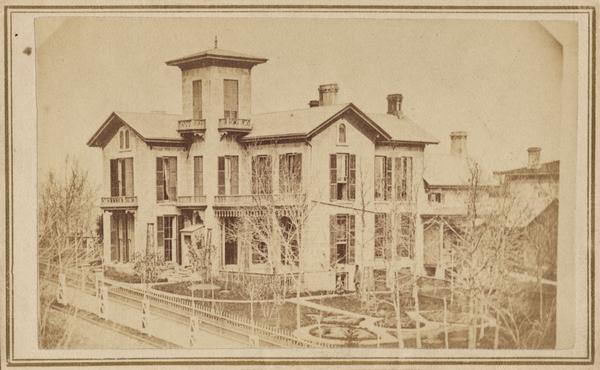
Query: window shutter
[
  {"x": 352, "y": 177},
  {"x": 398, "y": 177},
  {"x": 172, "y": 178},
  {"x": 160, "y": 187},
  {"x": 268, "y": 186},
  {"x": 198, "y": 176},
  {"x": 221, "y": 175},
  {"x": 234, "y": 175},
  {"x": 113, "y": 238},
  {"x": 409, "y": 175},
  {"x": 129, "y": 177},
  {"x": 351, "y": 238},
  {"x": 388, "y": 178},
  {"x": 255, "y": 175},
  {"x": 120, "y": 139},
  {"x": 197, "y": 99},
  {"x": 332, "y": 236},
  {"x": 388, "y": 236},
  {"x": 283, "y": 179},
  {"x": 297, "y": 172},
  {"x": 160, "y": 233},
  {"x": 332, "y": 176},
  {"x": 114, "y": 177},
  {"x": 127, "y": 139},
  {"x": 179, "y": 246}
]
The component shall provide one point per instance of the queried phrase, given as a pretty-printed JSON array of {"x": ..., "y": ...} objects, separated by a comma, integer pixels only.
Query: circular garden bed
[{"x": 346, "y": 333}]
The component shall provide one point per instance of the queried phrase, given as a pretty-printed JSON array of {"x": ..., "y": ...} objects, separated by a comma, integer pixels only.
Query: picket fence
[{"x": 189, "y": 307}]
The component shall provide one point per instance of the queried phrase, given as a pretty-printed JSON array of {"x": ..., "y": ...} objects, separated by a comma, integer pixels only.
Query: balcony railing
[
  {"x": 191, "y": 201},
  {"x": 248, "y": 200},
  {"x": 235, "y": 124},
  {"x": 118, "y": 202},
  {"x": 191, "y": 125}
]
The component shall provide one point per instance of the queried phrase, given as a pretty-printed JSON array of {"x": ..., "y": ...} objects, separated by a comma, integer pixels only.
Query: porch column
[{"x": 106, "y": 220}]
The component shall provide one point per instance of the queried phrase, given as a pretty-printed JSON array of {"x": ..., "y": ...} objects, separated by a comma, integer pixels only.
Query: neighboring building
[
  {"x": 536, "y": 188},
  {"x": 165, "y": 175},
  {"x": 452, "y": 181}
]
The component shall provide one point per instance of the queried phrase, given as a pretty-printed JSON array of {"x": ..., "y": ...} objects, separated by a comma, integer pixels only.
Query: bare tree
[
  {"x": 270, "y": 228},
  {"x": 66, "y": 242},
  {"x": 485, "y": 252}
]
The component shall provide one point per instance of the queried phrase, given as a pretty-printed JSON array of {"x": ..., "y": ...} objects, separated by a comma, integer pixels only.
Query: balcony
[
  {"x": 191, "y": 201},
  {"x": 191, "y": 126},
  {"x": 234, "y": 200},
  {"x": 251, "y": 200},
  {"x": 118, "y": 202},
  {"x": 234, "y": 125}
]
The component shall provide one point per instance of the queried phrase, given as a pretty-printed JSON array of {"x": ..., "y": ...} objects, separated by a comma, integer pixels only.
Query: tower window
[{"x": 230, "y": 101}]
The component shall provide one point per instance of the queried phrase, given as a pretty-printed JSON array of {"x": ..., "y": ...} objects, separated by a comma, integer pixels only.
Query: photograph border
[{"x": 590, "y": 11}]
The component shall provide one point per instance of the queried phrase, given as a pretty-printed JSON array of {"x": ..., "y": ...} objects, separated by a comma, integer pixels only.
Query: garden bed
[
  {"x": 350, "y": 334},
  {"x": 124, "y": 276},
  {"x": 228, "y": 291}
]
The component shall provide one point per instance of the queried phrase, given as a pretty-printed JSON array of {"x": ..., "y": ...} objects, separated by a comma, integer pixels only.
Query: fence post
[
  {"x": 254, "y": 340},
  {"x": 62, "y": 285},
  {"x": 446, "y": 323},
  {"x": 145, "y": 314},
  {"x": 194, "y": 327},
  {"x": 98, "y": 281},
  {"x": 103, "y": 302}
]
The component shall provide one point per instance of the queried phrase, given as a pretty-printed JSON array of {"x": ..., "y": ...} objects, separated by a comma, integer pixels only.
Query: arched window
[
  {"x": 342, "y": 133},
  {"x": 127, "y": 139},
  {"x": 121, "y": 140}
]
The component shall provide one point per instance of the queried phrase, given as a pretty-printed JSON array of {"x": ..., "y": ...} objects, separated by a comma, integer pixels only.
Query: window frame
[
  {"x": 342, "y": 131},
  {"x": 227, "y": 113}
]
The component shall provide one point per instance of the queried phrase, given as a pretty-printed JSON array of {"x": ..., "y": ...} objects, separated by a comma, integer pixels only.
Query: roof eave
[
  {"x": 271, "y": 138},
  {"x": 410, "y": 142},
  {"x": 189, "y": 62}
]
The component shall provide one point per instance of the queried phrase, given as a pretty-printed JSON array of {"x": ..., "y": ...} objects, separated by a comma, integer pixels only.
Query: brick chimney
[
  {"x": 458, "y": 143},
  {"x": 328, "y": 94},
  {"x": 313, "y": 103},
  {"x": 534, "y": 157},
  {"x": 394, "y": 104}
]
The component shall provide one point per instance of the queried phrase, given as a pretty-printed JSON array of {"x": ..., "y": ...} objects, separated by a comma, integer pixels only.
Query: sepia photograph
[{"x": 347, "y": 184}]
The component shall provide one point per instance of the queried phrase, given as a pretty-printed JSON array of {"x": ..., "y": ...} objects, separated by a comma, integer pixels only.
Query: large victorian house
[{"x": 360, "y": 175}]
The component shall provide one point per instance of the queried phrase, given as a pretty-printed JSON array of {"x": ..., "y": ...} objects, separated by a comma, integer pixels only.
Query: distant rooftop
[
  {"x": 453, "y": 170},
  {"x": 544, "y": 169}
]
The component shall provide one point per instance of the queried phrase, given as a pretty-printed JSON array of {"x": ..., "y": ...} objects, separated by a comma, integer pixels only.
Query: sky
[{"x": 498, "y": 80}]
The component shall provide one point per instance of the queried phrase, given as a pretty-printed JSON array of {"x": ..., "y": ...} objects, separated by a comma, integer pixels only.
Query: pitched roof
[
  {"x": 402, "y": 128},
  {"x": 150, "y": 127},
  {"x": 452, "y": 170},
  {"x": 308, "y": 121},
  {"x": 547, "y": 168},
  {"x": 216, "y": 56}
]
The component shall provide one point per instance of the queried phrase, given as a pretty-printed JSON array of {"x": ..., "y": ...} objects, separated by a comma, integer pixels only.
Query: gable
[
  {"x": 357, "y": 119},
  {"x": 108, "y": 130},
  {"x": 152, "y": 128}
]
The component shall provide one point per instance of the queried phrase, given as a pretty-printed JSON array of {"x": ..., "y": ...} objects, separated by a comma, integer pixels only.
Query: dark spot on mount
[
  {"x": 16, "y": 34},
  {"x": 27, "y": 51}
]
